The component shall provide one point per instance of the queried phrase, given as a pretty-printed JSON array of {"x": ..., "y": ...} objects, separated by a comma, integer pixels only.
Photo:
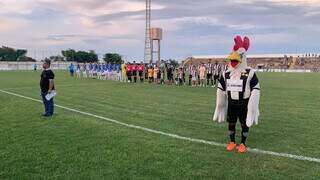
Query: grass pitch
[{"x": 75, "y": 146}]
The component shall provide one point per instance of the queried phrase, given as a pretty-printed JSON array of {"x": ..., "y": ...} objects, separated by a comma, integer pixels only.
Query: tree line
[{"x": 11, "y": 54}]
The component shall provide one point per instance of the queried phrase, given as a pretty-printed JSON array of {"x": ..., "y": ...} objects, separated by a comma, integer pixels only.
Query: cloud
[{"x": 11, "y": 25}]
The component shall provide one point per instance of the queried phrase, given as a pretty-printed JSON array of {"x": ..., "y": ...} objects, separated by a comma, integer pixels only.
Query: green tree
[
  {"x": 112, "y": 58},
  {"x": 80, "y": 56},
  {"x": 10, "y": 54},
  {"x": 69, "y": 54}
]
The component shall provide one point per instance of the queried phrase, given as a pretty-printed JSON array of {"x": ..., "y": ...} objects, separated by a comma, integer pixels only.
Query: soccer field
[{"x": 112, "y": 130}]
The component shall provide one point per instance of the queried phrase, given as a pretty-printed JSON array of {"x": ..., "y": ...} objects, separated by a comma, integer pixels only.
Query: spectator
[
  {"x": 34, "y": 67},
  {"x": 71, "y": 69}
]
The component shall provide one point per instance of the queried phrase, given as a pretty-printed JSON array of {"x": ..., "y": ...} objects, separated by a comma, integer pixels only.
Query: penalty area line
[{"x": 175, "y": 136}]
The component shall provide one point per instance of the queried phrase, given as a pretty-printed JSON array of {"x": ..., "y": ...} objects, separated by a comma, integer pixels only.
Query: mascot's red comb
[{"x": 239, "y": 43}]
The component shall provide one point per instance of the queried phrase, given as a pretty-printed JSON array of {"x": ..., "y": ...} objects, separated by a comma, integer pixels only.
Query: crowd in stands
[{"x": 201, "y": 75}]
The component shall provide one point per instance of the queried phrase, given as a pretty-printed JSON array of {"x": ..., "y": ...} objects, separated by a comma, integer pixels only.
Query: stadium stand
[{"x": 267, "y": 62}]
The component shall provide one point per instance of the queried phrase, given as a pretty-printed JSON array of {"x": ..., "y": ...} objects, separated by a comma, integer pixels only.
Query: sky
[{"x": 191, "y": 27}]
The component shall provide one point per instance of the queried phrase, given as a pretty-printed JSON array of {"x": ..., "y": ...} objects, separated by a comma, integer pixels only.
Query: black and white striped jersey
[
  {"x": 216, "y": 69},
  {"x": 209, "y": 67},
  {"x": 240, "y": 85}
]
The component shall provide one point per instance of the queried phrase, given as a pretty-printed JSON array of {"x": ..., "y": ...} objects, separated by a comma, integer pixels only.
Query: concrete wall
[{"x": 10, "y": 66}]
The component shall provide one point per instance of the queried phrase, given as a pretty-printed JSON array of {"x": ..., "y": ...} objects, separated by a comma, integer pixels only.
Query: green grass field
[{"x": 76, "y": 146}]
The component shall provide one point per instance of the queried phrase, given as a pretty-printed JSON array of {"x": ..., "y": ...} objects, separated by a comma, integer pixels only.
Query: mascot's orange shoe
[
  {"x": 242, "y": 148},
  {"x": 231, "y": 146}
]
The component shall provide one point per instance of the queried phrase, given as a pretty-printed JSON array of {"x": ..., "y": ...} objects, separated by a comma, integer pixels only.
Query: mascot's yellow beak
[
  {"x": 234, "y": 56},
  {"x": 234, "y": 59}
]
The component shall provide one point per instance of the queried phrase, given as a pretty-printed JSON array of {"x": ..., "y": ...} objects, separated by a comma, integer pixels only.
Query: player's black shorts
[
  {"x": 169, "y": 76},
  {"x": 209, "y": 76},
  {"x": 134, "y": 73},
  {"x": 237, "y": 109},
  {"x": 129, "y": 73},
  {"x": 140, "y": 73},
  {"x": 216, "y": 76}
]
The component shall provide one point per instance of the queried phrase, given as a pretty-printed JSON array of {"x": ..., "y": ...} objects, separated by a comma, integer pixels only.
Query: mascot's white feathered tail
[{"x": 238, "y": 87}]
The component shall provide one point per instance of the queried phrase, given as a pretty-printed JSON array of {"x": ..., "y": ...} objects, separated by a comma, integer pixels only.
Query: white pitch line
[
  {"x": 252, "y": 150},
  {"x": 33, "y": 87}
]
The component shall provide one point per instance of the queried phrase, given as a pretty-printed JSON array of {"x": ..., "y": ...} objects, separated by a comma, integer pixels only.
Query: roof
[{"x": 248, "y": 56}]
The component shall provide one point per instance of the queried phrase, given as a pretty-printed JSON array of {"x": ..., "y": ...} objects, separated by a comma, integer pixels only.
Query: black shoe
[{"x": 46, "y": 115}]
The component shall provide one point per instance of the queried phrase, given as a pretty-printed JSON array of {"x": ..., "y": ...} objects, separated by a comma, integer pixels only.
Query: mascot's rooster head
[{"x": 238, "y": 54}]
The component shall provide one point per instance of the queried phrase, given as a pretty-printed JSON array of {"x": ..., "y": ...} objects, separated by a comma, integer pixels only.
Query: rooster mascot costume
[{"x": 238, "y": 94}]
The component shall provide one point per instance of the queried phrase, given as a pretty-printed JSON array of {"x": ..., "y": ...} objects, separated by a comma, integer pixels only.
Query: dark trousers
[
  {"x": 134, "y": 76},
  {"x": 238, "y": 110},
  {"x": 141, "y": 76},
  {"x": 48, "y": 105},
  {"x": 215, "y": 77},
  {"x": 209, "y": 79}
]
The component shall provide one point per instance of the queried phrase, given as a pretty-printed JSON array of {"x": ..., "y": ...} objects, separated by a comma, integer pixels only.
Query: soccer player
[
  {"x": 85, "y": 70},
  {"x": 155, "y": 74},
  {"x": 90, "y": 70},
  {"x": 161, "y": 77},
  {"x": 71, "y": 69},
  {"x": 99, "y": 71},
  {"x": 109, "y": 71},
  {"x": 194, "y": 75},
  {"x": 129, "y": 72},
  {"x": 141, "y": 70},
  {"x": 216, "y": 72},
  {"x": 123, "y": 72},
  {"x": 78, "y": 71},
  {"x": 209, "y": 73},
  {"x": 169, "y": 74},
  {"x": 47, "y": 87},
  {"x": 134, "y": 71},
  {"x": 95, "y": 70},
  {"x": 118, "y": 72},
  {"x": 104, "y": 71},
  {"x": 180, "y": 76},
  {"x": 150, "y": 74},
  {"x": 190, "y": 74},
  {"x": 202, "y": 72}
]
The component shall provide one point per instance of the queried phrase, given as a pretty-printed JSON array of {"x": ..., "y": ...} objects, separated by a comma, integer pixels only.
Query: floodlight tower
[{"x": 148, "y": 42}]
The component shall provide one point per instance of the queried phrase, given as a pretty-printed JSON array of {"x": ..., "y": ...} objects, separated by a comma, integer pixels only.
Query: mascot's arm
[
  {"x": 253, "y": 105},
  {"x": 221, "y": 106},
  {"x": 253, "y": 108}
]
